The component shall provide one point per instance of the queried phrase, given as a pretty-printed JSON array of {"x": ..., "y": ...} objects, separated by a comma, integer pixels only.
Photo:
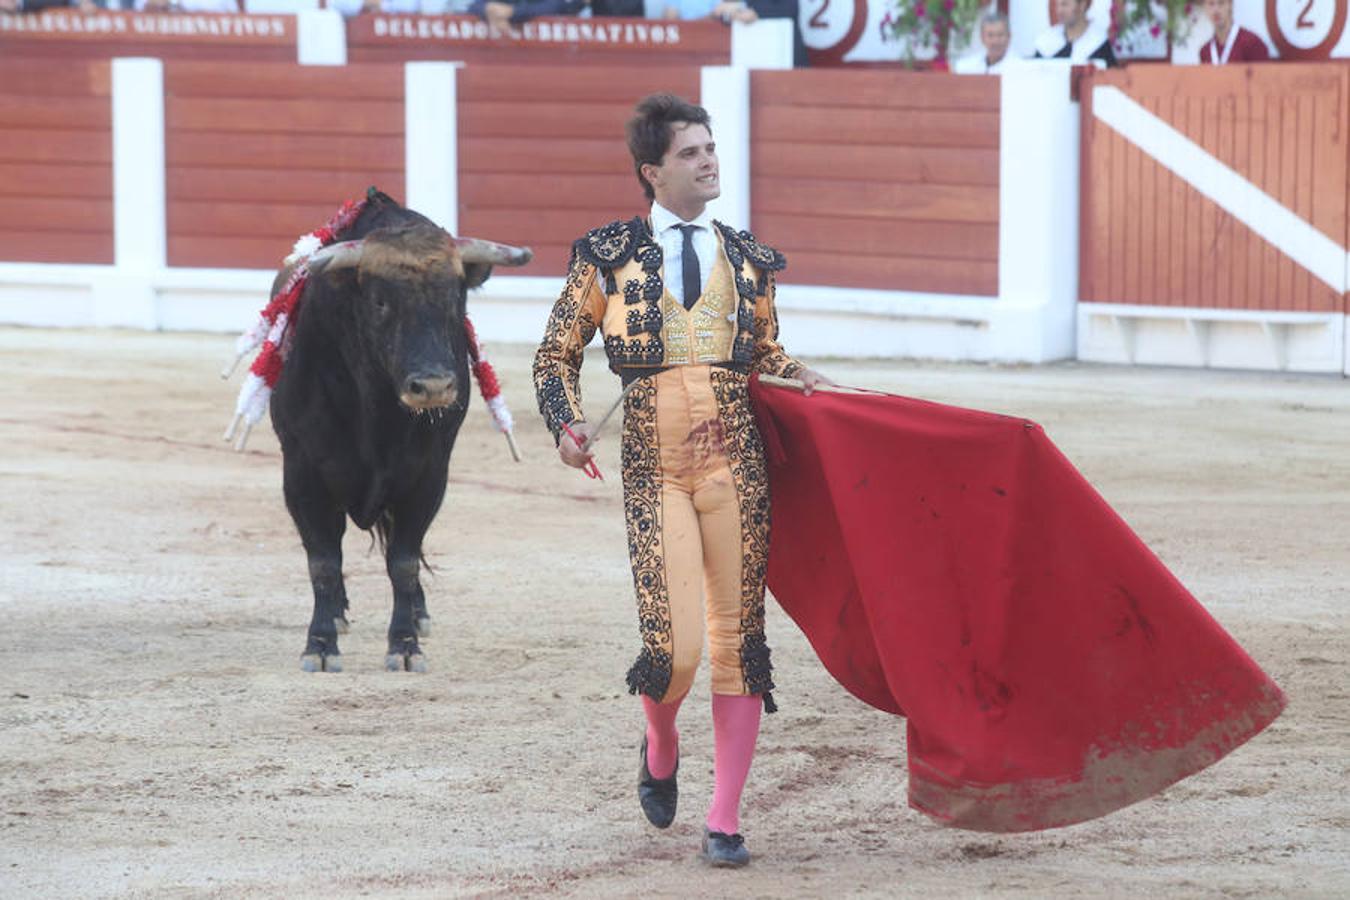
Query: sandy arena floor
[{"x": 158, "y": 739}]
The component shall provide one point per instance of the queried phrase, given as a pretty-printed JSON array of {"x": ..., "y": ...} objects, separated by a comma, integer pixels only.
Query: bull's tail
[
  {"x": 379, "y": 532},
  {"x": 379, "y": 535}
]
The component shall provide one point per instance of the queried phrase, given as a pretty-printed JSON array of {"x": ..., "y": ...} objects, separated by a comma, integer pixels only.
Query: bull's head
[{"x": 412, "y": 282}]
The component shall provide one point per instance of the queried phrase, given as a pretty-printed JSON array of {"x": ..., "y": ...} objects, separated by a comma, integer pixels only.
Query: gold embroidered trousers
[{"x": 696, "y": 500}]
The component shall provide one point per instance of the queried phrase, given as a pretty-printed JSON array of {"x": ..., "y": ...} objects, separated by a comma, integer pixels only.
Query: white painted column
[
  {"x": 431, "y": 141},
  {"x": 725, "y": 94},
  {"x": 1039, "y": 136},
  {"x": 125, "y": 296},
  {"x": 321, "y": 37},
  {"x": 762, "y": 44}
]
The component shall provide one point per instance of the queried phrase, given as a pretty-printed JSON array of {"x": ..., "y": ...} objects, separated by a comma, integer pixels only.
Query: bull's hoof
[
  {"x": 342, "y": 625},
  {"x": 321, "y": 662},
  {"x": 424, "y": 627},
  {"x": 406, "y": 662}
]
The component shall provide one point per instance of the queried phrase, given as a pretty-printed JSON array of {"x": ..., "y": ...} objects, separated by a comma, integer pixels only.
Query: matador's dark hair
[{"x": 649, "y": 131}]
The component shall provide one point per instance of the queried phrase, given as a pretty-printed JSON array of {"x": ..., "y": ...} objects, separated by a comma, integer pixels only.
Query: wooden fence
[{"x": 1151, "y": 237}]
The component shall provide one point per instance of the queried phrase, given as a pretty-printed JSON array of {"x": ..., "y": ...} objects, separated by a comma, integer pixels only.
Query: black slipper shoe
[
  {"x": 658, "y": 796},
  {"x": 724, "y": 851}
]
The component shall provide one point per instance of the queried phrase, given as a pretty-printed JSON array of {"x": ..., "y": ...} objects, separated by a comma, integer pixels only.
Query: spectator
[
  {"x": 502, "y": 14},
  {"x": 1231, "y": 42},
  {"x": 190, "y": 6},
  {"x": 995, "y": 35},
  {"x": 350, "y": 8},
  {"x": 1076, "y": 38},
  {"x": 736, "y": 11},
  {"x": 22, "y": 6}
]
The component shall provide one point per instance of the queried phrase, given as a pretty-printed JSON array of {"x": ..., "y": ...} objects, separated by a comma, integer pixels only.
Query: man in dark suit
[
  {"x": 502, "y": 14},
  {"x": 739, "y": 11}
]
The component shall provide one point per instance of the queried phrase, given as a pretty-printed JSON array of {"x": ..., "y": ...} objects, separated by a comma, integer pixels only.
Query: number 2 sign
[
  {"x": 832, "y": 28},
  {"x": 1305, "y": 29}
]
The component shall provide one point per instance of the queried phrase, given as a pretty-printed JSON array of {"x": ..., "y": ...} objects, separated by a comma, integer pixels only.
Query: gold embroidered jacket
[{"x": 614, "y": 284}]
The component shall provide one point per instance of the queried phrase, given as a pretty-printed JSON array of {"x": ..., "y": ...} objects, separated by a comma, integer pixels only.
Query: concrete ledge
[
  {"x": 1212, "y": 338},
  {"x": 814, "y": 321},
  {"x": 166, "y": 299}
]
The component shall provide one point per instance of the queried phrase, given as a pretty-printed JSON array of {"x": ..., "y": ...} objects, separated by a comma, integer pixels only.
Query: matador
[{"x": 685, "y": 305}]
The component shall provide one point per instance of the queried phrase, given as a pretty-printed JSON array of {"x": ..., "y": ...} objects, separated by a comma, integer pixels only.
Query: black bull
[{"x": 369, "y": 403}]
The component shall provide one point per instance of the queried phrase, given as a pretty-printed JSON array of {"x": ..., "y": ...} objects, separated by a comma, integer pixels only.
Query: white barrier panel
[
  {"x": 1038, "y": 215},
  {"x": 1212, "y": 338},
  {"x": 725, "y": 94},
  {"x": 763, "y": 44},
  {"x": 431, "y": 142},
  {"x": 320, "y": 37},
  {"x": 123, "y": 296}
]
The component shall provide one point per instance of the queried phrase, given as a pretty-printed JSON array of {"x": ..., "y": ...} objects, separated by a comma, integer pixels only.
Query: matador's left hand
[{"x": 810, "y": 379}]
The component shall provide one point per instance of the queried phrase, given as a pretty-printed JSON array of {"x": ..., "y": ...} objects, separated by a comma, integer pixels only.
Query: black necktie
[{"x": 689, "y": 263}]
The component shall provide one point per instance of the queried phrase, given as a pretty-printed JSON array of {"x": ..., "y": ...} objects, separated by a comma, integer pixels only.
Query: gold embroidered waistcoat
[{"x": 703, "y": 333}]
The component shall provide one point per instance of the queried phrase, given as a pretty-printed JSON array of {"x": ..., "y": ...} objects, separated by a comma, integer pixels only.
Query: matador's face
[{"x": 687, "y": 177}]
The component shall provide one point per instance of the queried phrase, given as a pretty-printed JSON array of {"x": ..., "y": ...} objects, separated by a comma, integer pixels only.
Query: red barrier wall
[
  {"x": 258, "y": 155},
  {"x": 542, "y": 157},
  {"x": 878, "y": 179},
  {"x": 56, "y": 161},
  {"x": 1148, "y": 237}
]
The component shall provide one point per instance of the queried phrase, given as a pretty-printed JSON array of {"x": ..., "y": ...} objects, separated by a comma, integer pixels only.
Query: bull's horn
[
  {"x": 472, "y": 250},
  {"x": 345, "y": 255}
]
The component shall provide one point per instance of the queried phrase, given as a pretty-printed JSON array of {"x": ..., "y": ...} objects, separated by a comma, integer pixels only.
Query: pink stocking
[
  {"x": 663, "y": 741},
  {"x": 735, "y": 728}
]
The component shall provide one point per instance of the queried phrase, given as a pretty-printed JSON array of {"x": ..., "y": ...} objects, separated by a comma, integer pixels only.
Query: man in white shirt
[{"x": 995, "y": 35}]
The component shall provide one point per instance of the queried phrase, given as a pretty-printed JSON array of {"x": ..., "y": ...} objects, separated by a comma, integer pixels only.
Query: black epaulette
[
  {"x": 612, "y": 245},
  {"x": 760, "y": 255}
]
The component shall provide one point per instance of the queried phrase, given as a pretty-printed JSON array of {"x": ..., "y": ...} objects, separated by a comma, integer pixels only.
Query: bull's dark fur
[{"x": 350, "y": 446}]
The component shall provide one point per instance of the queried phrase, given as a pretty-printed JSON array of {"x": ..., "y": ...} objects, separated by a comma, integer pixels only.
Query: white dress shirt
[
  {"x": 671, "y": 239},
  {"x": 978, "y": 64}
]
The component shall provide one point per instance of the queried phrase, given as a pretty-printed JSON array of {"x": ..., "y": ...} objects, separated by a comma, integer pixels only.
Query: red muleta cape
[{"x": 953, "y": 567}]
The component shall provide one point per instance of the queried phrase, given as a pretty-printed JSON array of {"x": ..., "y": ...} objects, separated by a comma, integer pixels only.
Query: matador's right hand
[{"x": 568, "y": 448}]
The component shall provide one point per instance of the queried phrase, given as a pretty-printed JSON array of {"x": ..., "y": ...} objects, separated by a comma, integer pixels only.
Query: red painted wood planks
[
  {"x": 56, "y": 161},
  {"x": 255, "y": 161},
  {"x": 878, "y": 179}
]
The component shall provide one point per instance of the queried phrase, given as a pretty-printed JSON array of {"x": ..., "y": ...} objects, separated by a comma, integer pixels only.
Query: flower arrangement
[
  {"x": 1145, "y": 27},
  {"x": 940, "y": 27}
]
